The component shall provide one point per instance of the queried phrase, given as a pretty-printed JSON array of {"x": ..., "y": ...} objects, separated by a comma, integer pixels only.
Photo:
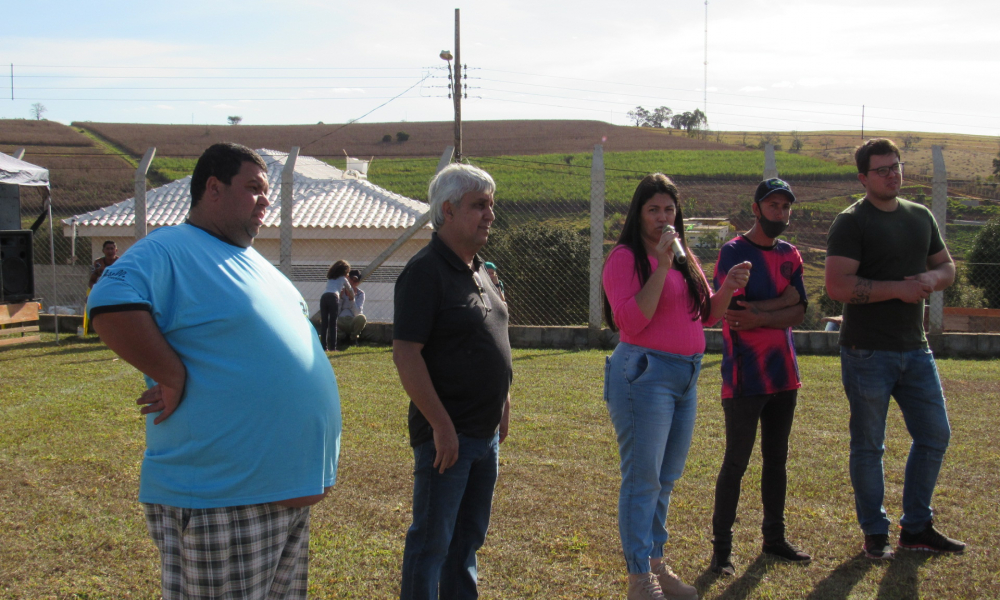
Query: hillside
[
  {"x": 83, "y": 174},
  {"x": 967, "y": 157},
  {"x": 363, "y": 140}
]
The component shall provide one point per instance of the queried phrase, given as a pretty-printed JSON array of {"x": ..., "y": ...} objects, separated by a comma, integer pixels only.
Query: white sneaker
[
  {"x": 644, "y": 587},
  {"x": 671, "y": 585}
]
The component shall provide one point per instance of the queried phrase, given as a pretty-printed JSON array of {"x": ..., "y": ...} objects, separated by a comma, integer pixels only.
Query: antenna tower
[{"x": 706, "y": 59}]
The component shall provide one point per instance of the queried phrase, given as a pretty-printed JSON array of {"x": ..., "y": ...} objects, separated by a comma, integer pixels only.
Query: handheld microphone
[{"x": 679, "y": 254}]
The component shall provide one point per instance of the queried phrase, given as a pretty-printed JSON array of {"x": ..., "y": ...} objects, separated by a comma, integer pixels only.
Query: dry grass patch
[{"x": 72, "y": 442}]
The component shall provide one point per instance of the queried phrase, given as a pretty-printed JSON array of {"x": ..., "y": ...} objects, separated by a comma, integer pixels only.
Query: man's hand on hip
[{"x": 161, "y": 398}]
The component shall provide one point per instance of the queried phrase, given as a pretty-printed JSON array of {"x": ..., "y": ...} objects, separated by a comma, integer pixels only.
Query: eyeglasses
[
  {"x": 884, "y": 171},
  {"x": 483, "y": 296}
]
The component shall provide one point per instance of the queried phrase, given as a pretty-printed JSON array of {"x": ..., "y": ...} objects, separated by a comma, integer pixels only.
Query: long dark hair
[
  {"x": 338, "y": 269},
  {"x": 631, "y": 237}
]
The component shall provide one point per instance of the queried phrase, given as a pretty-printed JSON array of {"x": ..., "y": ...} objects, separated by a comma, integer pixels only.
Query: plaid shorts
[{"x": 253, "y": 552}]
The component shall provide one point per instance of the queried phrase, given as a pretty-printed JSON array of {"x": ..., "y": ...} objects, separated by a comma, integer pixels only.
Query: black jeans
[
  {"x": 775, "y": 413},
  {"x": 329, "y": 308}
]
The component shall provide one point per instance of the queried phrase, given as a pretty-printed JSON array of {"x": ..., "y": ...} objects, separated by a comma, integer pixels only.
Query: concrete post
[
  {"x": 939, "y": 206},
  {"x": 409, "y": 233},
  {"x": 140, "y": 193},
  {"x": 770, "y": 167},
  {"x": 596, "y": 245},
  {"x": 287, "y": 205}
]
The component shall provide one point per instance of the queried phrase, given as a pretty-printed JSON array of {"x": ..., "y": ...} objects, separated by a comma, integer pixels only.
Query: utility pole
[{"x": 457, "y": 93}]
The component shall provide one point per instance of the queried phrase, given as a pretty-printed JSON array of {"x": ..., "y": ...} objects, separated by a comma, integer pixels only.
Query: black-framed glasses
[
  {"x": 483, "y": 296},
  {"x": 884, "y": 171}
]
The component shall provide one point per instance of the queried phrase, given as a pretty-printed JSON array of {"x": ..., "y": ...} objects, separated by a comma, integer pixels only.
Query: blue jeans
[
  {"x": 651, "y": 397},
  {"x": 451, "y": 513},
  {"x": 870, "y": 378}
]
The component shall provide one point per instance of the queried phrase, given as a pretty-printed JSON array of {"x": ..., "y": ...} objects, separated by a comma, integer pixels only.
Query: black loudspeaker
[{"x": 17, "y": 273}]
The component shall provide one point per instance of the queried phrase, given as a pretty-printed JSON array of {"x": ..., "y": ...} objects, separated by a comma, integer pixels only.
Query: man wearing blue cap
[{"x": 760, "y": 376}]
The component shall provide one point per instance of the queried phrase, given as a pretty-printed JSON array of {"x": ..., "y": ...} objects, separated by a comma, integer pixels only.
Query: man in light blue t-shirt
[{"x": 242, "y": 410}]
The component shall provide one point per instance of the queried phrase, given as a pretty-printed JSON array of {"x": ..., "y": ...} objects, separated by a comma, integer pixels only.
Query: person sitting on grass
[{"x": 352, "y": 320}]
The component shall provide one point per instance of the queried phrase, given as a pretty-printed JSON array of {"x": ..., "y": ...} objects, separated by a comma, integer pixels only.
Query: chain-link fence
[{"x": 541, "y": 238}]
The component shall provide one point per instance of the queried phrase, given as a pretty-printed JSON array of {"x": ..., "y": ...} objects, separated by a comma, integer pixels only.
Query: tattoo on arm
[{"x": 862, "y": 291}]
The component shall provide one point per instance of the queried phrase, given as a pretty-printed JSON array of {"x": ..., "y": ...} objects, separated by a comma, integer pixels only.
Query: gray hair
[{"x": 453, "y": 182}]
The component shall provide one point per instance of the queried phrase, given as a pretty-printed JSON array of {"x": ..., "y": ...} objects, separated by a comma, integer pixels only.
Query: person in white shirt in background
[
  {"x": 351, "y": 320},
  {"x": 329, "y": 303}
]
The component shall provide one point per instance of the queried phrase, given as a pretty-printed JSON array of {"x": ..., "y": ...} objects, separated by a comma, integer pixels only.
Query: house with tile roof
[{"x": 335, "y": 215}]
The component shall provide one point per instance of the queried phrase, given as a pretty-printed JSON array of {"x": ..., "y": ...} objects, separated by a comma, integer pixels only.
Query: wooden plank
[
  {"x": 972, "y": 312},
  {"x": 18, "y": 313},
  {"x": 13, "y": 330},
  {"x": 21, "y": 340},
  {"x": 954, "y": 322}
]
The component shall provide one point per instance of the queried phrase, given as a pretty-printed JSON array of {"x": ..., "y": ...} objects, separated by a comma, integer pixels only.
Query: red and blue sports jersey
[{"x": 762, "y": 360}]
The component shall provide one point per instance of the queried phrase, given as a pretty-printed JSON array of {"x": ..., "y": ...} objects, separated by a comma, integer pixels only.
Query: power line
[
  {"x": 196, "y": 68},
  {"x": 351, "y": 122}
]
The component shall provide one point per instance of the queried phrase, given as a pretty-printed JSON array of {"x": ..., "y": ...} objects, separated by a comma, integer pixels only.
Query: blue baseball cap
[{"x": 771, "y": 186}]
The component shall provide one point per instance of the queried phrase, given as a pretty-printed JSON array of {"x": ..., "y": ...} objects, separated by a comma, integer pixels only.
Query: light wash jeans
[
  {"x": 451, "y": 513},
  {"x": 870, "y": 378},
  {"x": 651, "y": 397}
]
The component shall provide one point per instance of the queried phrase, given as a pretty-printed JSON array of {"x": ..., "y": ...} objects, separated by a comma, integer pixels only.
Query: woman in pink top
[{"x": 658, "y": 304}]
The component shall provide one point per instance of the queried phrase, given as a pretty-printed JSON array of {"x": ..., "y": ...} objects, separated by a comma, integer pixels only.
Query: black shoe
[
  {"x": 721, "y": 564},
  {"x": 877, "y": 546},
  {"x": 785, "y": 551},
  {"x": 929, "y": 540}
]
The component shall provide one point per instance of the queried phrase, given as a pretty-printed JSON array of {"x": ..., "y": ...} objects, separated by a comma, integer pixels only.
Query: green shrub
[
  {"x": 984, "y": 262},
  {"x": 962, "y": 293},
  {"x": 545, "y": 271},
  {"x": 402, "y": 136},
  {"x": 387, "y": 138}
]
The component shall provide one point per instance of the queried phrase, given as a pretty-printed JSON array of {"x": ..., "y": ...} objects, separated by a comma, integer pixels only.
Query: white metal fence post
[
  {"x": 596, "y": 244},
  {"x": 421, "y": 221},
  {"x": 939, "y": 206},
  {"x": 140, "y": 193},
  {"x": 287, "y": 204}
]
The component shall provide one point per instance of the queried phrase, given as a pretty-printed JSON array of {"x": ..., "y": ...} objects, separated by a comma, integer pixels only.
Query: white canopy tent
[
  {"x": 14, "y": 171},
  {"x": 19, "y": 172}
]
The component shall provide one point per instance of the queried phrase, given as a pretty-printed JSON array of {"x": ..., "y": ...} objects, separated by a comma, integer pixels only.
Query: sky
[{"x": 774, "y": 65}]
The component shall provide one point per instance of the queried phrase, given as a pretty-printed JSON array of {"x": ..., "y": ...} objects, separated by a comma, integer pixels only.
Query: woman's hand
[{"x": 664, "y": 247}]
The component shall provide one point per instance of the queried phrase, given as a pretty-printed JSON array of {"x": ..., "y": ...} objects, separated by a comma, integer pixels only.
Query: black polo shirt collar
[{"x": 452, "y": 259}]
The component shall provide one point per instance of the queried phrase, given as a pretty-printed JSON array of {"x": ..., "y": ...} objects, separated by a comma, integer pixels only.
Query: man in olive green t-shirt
[{"x": 885, "y": 256}]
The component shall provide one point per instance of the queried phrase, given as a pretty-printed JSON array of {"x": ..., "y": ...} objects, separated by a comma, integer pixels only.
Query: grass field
[{"x": 72, "y": 442}]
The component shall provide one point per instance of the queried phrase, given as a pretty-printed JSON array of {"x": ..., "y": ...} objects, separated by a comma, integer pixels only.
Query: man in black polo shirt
[{"x": 451, "y": 350}]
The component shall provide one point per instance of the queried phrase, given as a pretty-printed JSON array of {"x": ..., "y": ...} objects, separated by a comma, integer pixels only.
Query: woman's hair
[
  {"x": 453, "y": 182},
  {"x": 631, "y": 237},
  {"x": 338, "y": 269}
]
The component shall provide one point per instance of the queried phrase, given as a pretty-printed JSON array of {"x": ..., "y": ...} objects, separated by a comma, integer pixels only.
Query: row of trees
[{"x": 663, "y": 117}]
